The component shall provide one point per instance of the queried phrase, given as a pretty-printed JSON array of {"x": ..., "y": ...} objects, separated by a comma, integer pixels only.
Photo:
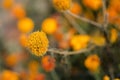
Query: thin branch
[
  {"x": 70, "y": 52},
  {"x": 73, "y": 23},
  {"x": 105, "y": 14},
  {"x": 85, "y": 19}
]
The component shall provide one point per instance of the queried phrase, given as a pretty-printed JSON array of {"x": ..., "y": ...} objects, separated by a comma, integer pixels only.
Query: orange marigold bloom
[
  {"x": 23, "y": 39},
  {"x": 79, "y": 41},
  {"x": 92, "y": 62},
  {"x": 18, "y": 11},
  {"x": 62, "y": 5},
  {"x": 93, "y": 4},
  {"x": 106, "y": 77},
  {"x": 76, "y": 8},
  {"x": 25, "y": 25},
  {"x": 48, "y": 63},
  {"x": 38, "y": 43},
  {"x": 49, "y": 25},
  {"x": 113, "y": 35},
  {"x": 9, "y": 75}
]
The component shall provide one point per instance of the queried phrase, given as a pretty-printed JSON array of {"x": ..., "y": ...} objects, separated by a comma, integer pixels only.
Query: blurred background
[{"x": 19, "y": 18}]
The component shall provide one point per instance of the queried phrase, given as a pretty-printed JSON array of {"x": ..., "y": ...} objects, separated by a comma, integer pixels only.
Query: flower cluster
[{"x": 38, "y": 43}]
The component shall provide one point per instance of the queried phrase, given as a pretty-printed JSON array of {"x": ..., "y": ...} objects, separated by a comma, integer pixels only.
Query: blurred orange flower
[
  {"x": 7, "y": 4},
  {"x": 23, "y": 40},
  {"x": 49, "y": 25},
  {"x": 76, "y": 8},
  {"x": 25, "y": 25},
  {"x": 112, "y": 14},
  {"x": 33, "y": 66},
  {"x": 40, "y": 77},
  {"x": 18, "y": 11},
  {"x": 106, "y": 77},
  {"x": 113, "y": 35},
  {"x": 93, "y": 4},
  {"x": 92, "y": 62},
  {"x": 9, "y": 75},
  {"x": 48, "y": 63},
  {"x": 78, "y": 42},
  {"x": 11, "y": 60}
]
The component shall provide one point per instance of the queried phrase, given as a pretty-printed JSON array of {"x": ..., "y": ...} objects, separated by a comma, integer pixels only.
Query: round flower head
[
  {"x": 49, "y": 25},
  {"x": 92, "y": 62},
  {"x": 38, "y": 43},
  {"x": 25, "y": 25},
  {"x": 62, "y": 5}
]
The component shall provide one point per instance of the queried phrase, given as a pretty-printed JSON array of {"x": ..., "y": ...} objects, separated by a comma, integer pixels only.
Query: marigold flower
[
  {"x": 23, "y": 39},
  {"x": 76, "y": 8},
  {"x": 9, "y": 75},
  {"x": 48, "y": 63},
  {"x": 79, "y": 41},
  {"x": 62, "y": 5},
  {"x": 25, "y": 25},
  {"x": 106, "y": 77},
  {"x": 113, "y": 35},
  {"x": 38, "y": 43},
  {"x": 92, "y": 62},
  {"x": 18, "y": 11},
  {"x": 93, "y": 4},
  {"x": 49, "y": 25}
]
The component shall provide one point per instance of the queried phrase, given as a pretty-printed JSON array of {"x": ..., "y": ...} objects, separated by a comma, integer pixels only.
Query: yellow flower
[
  {"x": 62, "y": 5},
  {"x": 113, "y": 35},
  {"x": 38, "y": 43},
  {"x": 93, "y": 4},
  {"x": 106, "y": 77},
  {"x": 76, "y": 8},
  {"x": 92, "y": 62},
  {"x": 79, "y": 41},
  {"x": 25, "y": 25},
  {"x": 98, "y": 40},
  {"x": 49, "y": 25},
  {"x": 9, "y": 75}
]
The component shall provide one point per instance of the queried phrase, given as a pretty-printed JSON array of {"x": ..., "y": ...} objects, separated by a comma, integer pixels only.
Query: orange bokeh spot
[
  {"x": 93, "y": 4},
  {"x": 7, "y": 4},
  {"x": 23, "y": 40},
  {"x": 76, "y": 8},
  {"x": 18, "y": 11},
  {"x": 48, "y": 63}
]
